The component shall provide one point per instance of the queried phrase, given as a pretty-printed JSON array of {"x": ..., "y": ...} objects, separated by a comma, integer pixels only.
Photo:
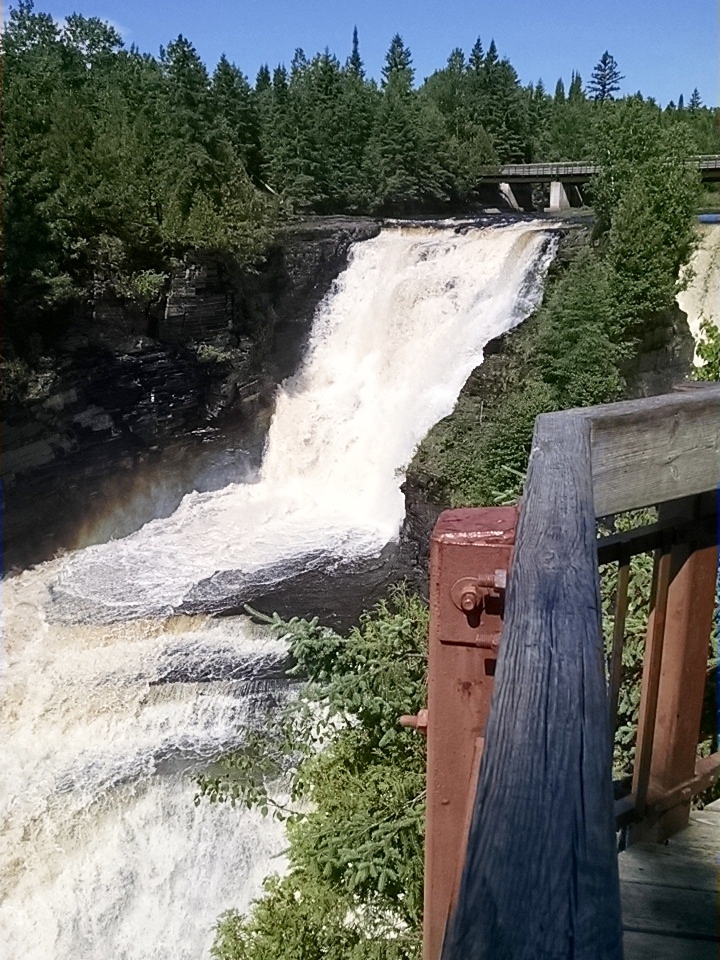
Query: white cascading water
[
  {"x": 111, "y": 700},
  {"x": 701, "y": 299}
]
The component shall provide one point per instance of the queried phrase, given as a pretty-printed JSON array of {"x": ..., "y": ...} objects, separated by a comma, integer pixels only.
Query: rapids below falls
[{"x": 114, "y": 697}]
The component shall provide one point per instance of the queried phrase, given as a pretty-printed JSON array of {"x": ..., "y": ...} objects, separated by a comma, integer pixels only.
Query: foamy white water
[
  {"x": 109, "y": 701},
  {"x": 389, "y": 352},
  {"x": 701, "y": 299}
]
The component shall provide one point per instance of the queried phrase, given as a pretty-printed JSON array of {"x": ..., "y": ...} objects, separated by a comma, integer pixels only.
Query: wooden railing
[{"x": 540, "y": 876}]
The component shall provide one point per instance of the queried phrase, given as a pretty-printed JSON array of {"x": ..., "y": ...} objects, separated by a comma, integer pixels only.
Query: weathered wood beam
[
  {"x": 661, "y": 448},
  {"x": 540, "y": 878}
]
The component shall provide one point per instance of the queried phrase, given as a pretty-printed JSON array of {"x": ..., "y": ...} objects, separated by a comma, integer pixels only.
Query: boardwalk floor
[{"x": 670, "y": 893}]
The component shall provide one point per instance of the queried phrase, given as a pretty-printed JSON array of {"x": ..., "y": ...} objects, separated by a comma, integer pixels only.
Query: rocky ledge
[{"x": 137, "y": 408}]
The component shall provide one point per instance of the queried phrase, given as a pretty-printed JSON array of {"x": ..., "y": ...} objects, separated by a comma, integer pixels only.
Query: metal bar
[
  {"x": 651, "y": 678},
  {"x": 621, "y": 606}
]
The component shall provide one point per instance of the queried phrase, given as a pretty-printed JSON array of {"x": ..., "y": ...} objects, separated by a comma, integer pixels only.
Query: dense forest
[{"x": 116, "y": 161}]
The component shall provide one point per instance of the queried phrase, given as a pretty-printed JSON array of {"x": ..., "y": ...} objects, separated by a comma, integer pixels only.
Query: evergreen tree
[
  {"x": 605, "y": 79},
  {"x": 491, "y": 57},
  {"x": 576, "y": 92},
  {"x": 695, "y": 101},
  {"x": 354, "y": 64},
  {"x": 681, "y": 102},
  {"x": 456, "y": 61},
  {"x": 298, "y": 64},
  {"x": 398, "y": 70},
  {"x": 263, "y": 80},
  {"x": 231, "y": 99},
  {"x": 560, "y": 91},
  {"x": 477, "y": 57}
]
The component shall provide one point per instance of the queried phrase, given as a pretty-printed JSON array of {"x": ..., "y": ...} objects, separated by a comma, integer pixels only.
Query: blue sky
[{"x": 664, "y": 47}]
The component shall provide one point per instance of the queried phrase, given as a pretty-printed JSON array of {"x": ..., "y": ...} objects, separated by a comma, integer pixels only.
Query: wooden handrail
[{"x": 540, "y": 877}]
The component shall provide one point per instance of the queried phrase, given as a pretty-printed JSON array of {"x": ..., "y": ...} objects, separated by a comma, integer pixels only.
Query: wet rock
[
  {"x": 130, "y": 422},
  {"x": 336, "y": 590}
]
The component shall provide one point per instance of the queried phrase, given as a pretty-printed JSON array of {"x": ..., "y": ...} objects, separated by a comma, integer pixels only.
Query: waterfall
[
  {"x": 112, "y": 698},
  {"x": 701, "y": 299}
]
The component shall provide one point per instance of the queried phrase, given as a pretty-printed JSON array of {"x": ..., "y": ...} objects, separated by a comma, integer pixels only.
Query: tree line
[{"x": 117, "y": 161}]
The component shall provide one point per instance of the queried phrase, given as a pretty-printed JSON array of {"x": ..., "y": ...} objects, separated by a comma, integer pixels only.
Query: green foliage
[
  {"x": 645, "y": 197},
  {"x": 356, "y": 784},
  {"x": 708, "y": 350},
  {"x": 605, "y": 79},
  {"x": 300, "y": 920},
  {"x": 159, "y": 156},
  {"x": 115, "y": 163}
]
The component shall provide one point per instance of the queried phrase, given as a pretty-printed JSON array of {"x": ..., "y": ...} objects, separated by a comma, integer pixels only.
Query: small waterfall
[
  {"x": 701, "y": 299},
  {"x": 111, "y": 697}
]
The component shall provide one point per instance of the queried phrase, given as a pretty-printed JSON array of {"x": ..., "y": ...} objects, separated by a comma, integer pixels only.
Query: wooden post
[
  {"x": 469, "y": 551},
  {"x": 675, "y": 665},
  {"x": 541, "y": 875}
]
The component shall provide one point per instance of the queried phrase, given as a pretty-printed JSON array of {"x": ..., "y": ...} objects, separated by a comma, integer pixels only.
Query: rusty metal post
[
  {"x": 470, "y": 555},
  {"x": 667, "y": 749}
]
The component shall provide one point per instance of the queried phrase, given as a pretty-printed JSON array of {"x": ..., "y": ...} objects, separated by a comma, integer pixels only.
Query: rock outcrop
[{"x": 139, "y": 407}]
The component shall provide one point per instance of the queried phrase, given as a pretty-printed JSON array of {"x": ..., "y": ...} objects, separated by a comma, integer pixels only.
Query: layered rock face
[{"x": 143, "y": 406}]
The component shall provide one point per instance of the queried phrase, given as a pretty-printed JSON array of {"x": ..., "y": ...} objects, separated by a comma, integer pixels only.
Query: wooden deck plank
[
  {"x": 650, "y": 908},
  {"x": 670, "y": 894},
  {"x": 661, "y": 865},
  {"x": 702, "y": 836},
  {"x": 651, "y": 946}
]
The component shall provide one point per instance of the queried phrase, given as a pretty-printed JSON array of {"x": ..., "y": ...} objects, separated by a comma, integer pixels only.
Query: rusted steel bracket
[{"x": 470, "y": 556}]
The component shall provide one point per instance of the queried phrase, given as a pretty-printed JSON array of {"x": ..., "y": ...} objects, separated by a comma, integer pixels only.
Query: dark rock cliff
[{"x": 136, "y": 408}]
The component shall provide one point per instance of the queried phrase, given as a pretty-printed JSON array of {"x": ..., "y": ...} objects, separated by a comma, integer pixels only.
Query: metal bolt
[
  {"x": 417, "y": 721},
  {"x": 469, "y": 600}
]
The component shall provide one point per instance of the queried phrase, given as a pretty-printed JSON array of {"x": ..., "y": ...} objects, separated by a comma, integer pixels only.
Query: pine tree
[
  {"x": 354, "y": 63},
  {"x": 491, "y": 57},
  {"x": 398, "y": 70},
  {"x": 576, "y": 92},
  {"x": 233, "y": 104},
  {"x": 263, "y": 80},
  {"x": 477, "y": 57},
  {"x": 298, "y": 64},
  {"x": 605, "y": 79},
  {"x": 456, "y": 61},
  {"x": 695, "y": 101},
  {"x": 681, "y": 102},
  {"x": 560, "y": 91}
]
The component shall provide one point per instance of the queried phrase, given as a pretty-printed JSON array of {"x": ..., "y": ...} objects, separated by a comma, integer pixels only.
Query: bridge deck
[{"x": 670, "y": 893}]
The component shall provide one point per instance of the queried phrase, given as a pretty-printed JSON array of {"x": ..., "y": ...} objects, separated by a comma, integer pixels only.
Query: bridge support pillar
[
  {"x": 507, "y": 192},
  {"x": 559, "y": 199}
]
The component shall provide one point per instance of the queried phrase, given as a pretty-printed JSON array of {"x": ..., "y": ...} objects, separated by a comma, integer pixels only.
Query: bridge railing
[{"x": 540, "y": 873}]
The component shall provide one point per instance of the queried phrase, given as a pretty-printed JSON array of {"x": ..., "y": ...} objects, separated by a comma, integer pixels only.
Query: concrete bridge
[{"x": 566, "y": 179}]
